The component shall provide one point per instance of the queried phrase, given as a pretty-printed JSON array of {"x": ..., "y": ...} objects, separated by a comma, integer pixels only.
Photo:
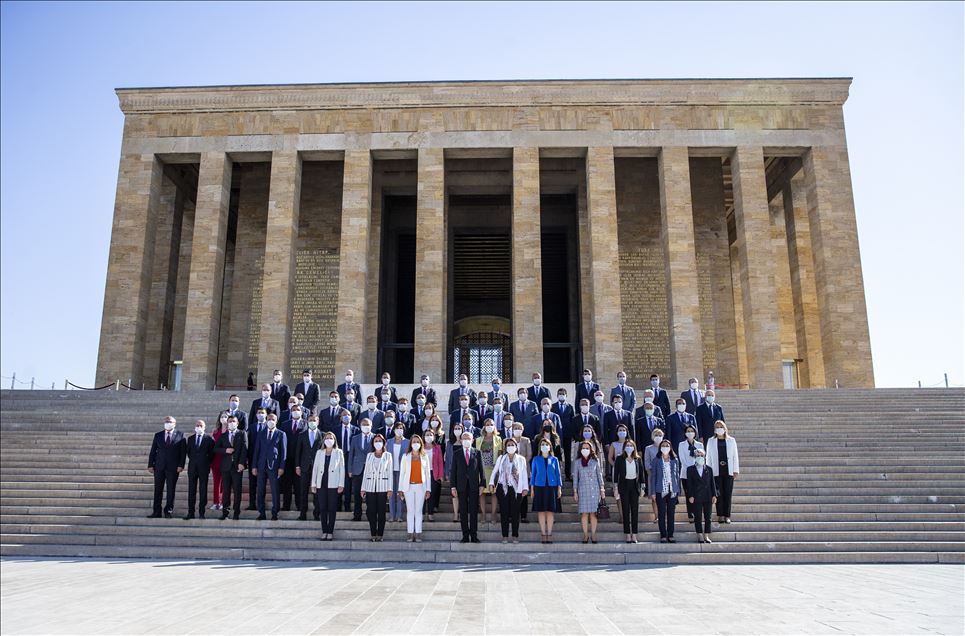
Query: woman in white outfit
[{"x": 414, "y": 481}]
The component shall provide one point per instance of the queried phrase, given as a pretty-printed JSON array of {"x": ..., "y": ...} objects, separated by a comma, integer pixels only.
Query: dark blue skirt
[{"x": 545, "y": 500}]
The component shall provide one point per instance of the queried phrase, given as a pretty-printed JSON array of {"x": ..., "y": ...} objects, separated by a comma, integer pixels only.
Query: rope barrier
[
  {"x": 86, "y": 388},
  {"x": 129, "y": 387}
]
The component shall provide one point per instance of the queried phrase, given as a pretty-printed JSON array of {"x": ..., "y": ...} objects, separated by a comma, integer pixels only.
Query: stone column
[
  {"x": 606, "y": 322},
  {"x": 202, "y": 325},
  {"x": 756, "y": 264},
  {"x": 353, "y": 268},
  {"x": 278, "y": 276},
  {"x": 527, "y": 278},
  {"x": 677, "y": 227},
  {"x": 430, "y": 267},
  {"x": 123, "y": 323},
  {"x": 837, "y": 267},
  {"x": 806, "y": 318}
]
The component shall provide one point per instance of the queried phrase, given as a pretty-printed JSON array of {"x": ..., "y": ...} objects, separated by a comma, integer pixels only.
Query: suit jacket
[
  {"x": 327, "y": 421},
  {"x": 385, "y": 407},
  {"x": 273, "y": 407},
  {"x": 583, "y": 393},
  {"x": 537, "y": 393},
  {"x": 340, "y": 441},
  {"x": 242, "y": 419},
  {"x": 565, "y": 411},
  {"x": 252, "y": 441},
  {"x": 199, "y": 458},
  {"x": 454, "y": 398},
  {"x": 358, "y": 450},
  {"x": 657, "y": 411},
  {"x": 644, "y": 431},
  {"x": 707, "y": 414},
  {"x": 600, "y": 410},
  {"x": 355, "y": 408},
  {"x": 291, "y": 439},
  {"x": 678, "y": 423},
  {"x": 611, "y": 422},
  {"x": 280, "y": 394},
  {"x": 270, "y": 454},
  {"x": 466, "y": 477},
  {"x": 240, "y": 455},
  {"x": 456, "y": 416},
  {"x": 305, "y": 451},
  {"x": 500, "y": 421},
  {"x": 626, "y": 392},
  {"x": 311, "y": 396},
  {"x": 488, "y": 414},
  {"x": 343, "y": 389},
  {"x": 393, "y": 397},
  {"x": 492, "y": 395},
  {"x": 620, "y": 471},
  {"x": 377, "y": 418},
  {"x": 576, "y": 426},
  {"x": 522, "y": 414},
  {"x": 166, "y": 457},
  {"x": 533, "y": 427},
  {"x": 429, "y": 392},
  {"x": 691, "y": 403},
  {"x": 660, "y": 399}
]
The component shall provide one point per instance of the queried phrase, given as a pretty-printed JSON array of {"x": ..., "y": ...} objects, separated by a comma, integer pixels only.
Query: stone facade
[{"x": 248, "y": 228}]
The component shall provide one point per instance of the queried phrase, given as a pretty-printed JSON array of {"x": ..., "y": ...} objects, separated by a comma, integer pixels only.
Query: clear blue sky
[{"x": 61, "y": 127}]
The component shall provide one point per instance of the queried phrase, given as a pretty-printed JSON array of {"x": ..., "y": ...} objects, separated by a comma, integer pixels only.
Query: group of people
[{"x": 497, "y": 456}]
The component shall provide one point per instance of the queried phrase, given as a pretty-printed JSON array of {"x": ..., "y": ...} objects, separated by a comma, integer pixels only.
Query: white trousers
[{"x": 415, "y": 497}]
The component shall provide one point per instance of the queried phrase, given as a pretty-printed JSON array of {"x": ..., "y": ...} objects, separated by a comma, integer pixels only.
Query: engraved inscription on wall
[
  {"x": 313, "y": 313},
  {"x": 254, "y": 324}
]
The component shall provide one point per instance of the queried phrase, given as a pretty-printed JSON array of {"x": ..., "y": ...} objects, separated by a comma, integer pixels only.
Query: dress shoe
[
  {"x": 475, "y": 540},
  {"x": 302, "y": 518},
  {"x": 189, "y": 517},
  {"x": 356, "y": 518},
  {"x": 168, "y": 515},
  {"x": 274, "y": 517},
  {"x": 464, "y": 540},
  {"x": 260, "y": 518},
  {"x": 201, "y": 515},
  {"x": 154, "y": 515},
  {"x": 236, "y": 516},
  {"x": 225, "y": 516}
]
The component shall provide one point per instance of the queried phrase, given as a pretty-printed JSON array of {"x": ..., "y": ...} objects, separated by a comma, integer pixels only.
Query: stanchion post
[{"x": 13, "y": 381}]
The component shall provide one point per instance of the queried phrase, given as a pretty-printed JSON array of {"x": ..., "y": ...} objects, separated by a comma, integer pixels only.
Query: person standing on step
[
  {"x": 625, "y": 392},
  {"x": 344, "y": 434},
  {"x": 414, "y": 477},
  {"x": 279, "y": 391},
  {"x": 309, "y": 442},
  {"x": 665, "y": 488},
  {"x": 547, "y": 484},
  {"x": 359, "y": 449},
  {"x": 628, "y": 479},
  {"x": 490, "y": 447},
  {"x": 309, "y": 391},
  {"x": 588, "y": 488},
  {"x": 328, "y": 477},
  {"x": 678, "y": 422},
  {"x": 329, "y": 418},
  {"x": 525, "y": 448},
  {"x": 266, "y": 402},
  {"x": 723, "y": 460},
  {"x": 686, "y": 451},
  {"x": 387, "y": 386},
  {"x": 467, "y": 481},
  {"x": 219, "y": 429},
  {"x": 565, "y": 412},
  {"x": 702, "y": 493},
  {"x": 587, "y": 389},
  {"x": 692, "y": 396},
  {"x": 497, "y": 392},
  {"x": 271, "y": 449},
  {"x": 250, "y": 383},
  {"x": 660, "y": 397},
  {"x": 649, "y": 454},
  {"x": 510, "y": 480},
  {"x": 376, "y": 483},
  {"x": 233, "y": 450},
  {"x": 254, "y": 433},
  {"x": 166, "y": 461},
  {"x": 234, "y": 408},
  {"x": 397, "y": 446},
  {"x": 425, "y": 391},
  {"x": 435, "y": 457},
  {"x": 707, "y": 414},
  {"x": 536, "y": 391},
  {"x": 292, "y": 429},
  {"x": 460, "y": 391},
  {"x": 200, "y": 451},
  {"x": 350, "y": 385}
]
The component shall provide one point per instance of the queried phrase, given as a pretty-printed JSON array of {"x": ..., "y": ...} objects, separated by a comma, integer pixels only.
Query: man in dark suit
[
  {"x": 329, "y": 417},
  {"x": 483, "y": 408},
  {"x": 534, "y": 425},
  {"x": 459, "y": 391},
  {"x": 271, "y": 450},
  {"x": 200, "y": 451},
  {"x": 234, "y": 408},
  {"x": 565, "y": 413},
  {"x": 625, "y": 391},
  {"x": 309, "y": 442},
  {"x": 413, "y": 425},
  {"x": 498, "y": 413},
  {"x": 359, "y": 448},
  {"x": 701, "y": 494},
  {"x": 279, "y": 390},
  {"x": 585, "y": 418},
  {"x": 254, "y": 431},
  {"x": 426, "y": 391},
  {"x": 384, "y": 395},
  {"x": 561, "y": 407},
  {"x": 660, "y": 395},
  {"x": 467, "y": 480},
  {"x": 645, "y": 423},
  {"x": 678, "y": 422},
  {"x": 266, "y": 402},
  {"x": 233, "y": 448},
  {"x": 462, "y": 411},
  {"x": 344, "y": 434},
  {"x": 616, "y": 416},
  {"x": 536, "y": 392},
  {"x": 708, "y": 413},
  {"x": 497, "y": 392},
  {"x": 374, "y": 415},
  {"x": 693, "y": 397},
  {"x": 648, "y": 398},
  {"x": 309, "y": 390},
  {"x": 166, "y": 461},
  {"x": 522, "y": 409},
  {"x": 352, "y": 405},
  {"x": 292, "y": 428},
  {"x": 349, "y": 385},
  {"x": 586, "y": 389},
  {"x": 386, "y": 380}
]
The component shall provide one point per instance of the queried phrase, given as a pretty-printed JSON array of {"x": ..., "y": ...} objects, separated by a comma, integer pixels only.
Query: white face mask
[
  {"x": 348, "y": 379},
  {"x": 690, "y": 435},
  {"x": 366, "y": 429},
  {"x": 544, "y": 449},
  {"x": 657, "y": 440},
  {"x": 371, "y": 406},
  {"x": 296, "y": 415},
  {"x": 681, "y": 408},
  {"x": 618, "y": 406},
  {"x": 403, "y": 407},
  {"x": 546, "y": 408},
  {"x": 271, "y": 424},
  {"x": 584, "y": 410},
  {"x": 233, "y": 426},
  {"x": 464, "y": 404},
  {"x": 517, "y": 432},
  {"x": 693, "y": 385},
  {"x": 329, "y": 443},
  {"x": 462, "y": 383},
  {"x": 719, "y": 431},
  {"x": 430, "y": 439},
  {"x": 349, "y": 399},
  {"x": 377, "y": 445},
  {"x": 511, "y": 450},
  {"x": 278, "y": 378},
  {"x": 333, "y": 401},
  {"x": 710, "y": 399},
  {"x": 398, "y": 432},
  {"x": 265, "y": 394},
  {"x": 699, "y": 461},
  {"x": 665, "y": 450},
  {"x": 428, "y": 412},
  {"x": 385, "y": 381},
  {"x": 416, "y": 446},
  {"x": 168, "y": 426},
  {"x": 313, "y": 426},
  {"x": 561, "y": 398},
  {"x": 482, "y": 401},
  {"x": 598, "y": 398},
  {"x": 587, "y": 377},
  {"x": 457, "y": 432},
  {"x": 648, "y": 400},
  {"x": 306, "y": 379},
  {"x": 585, "y": 452},
  {"x": 199, "y": 430},
  {"x": 490, "y": 428},
  {"x": 536, "y": 381},
  {"x": 521, "y": 396},
  {"x": 648, "y": 412},
  {"x": 628, "y": 450},
  {"x": 466, "y": 443}
]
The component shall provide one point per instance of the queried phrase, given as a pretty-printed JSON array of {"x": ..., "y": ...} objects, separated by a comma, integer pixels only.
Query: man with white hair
[{"x": 165, "y": 462}]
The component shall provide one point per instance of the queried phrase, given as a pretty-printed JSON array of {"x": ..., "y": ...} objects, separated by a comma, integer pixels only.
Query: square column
[
  {"x": 756, "y": 264},
  {"x": 354, "y": 264},
  {"x": 278, "y": 277},
  {"x": 527, "y": 286},
  {"x": 124, "y": 321},
  {"x": 202, "y": 326},
  {"x": 677, "y": 227},
  {"x": 837, "y": 267},
  {"x": 430, "y": 267},
  {"x": 606, "y": 314}
]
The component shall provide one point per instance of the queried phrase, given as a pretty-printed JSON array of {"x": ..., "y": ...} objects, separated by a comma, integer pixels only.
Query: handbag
[{"x": 602, "y": 511}]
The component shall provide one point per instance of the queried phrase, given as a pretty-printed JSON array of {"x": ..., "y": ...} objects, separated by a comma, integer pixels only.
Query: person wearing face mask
[
  {"x": 502, "y": 419},
  {"x": 614, "y": 451},
  {"x": 701, "y": 495},
  {"x": 692, "y": 396},
  {"x": 524, "y": 447},
  {"x": 234, "y": 404},
  {"x": 665, "y": 488},
  {"x": 678, "y": 422},
  {"x": 564, "y": 411},
  {"x": 497, "y": 392},
  {"x": 509, "y": 479},
  {"x": 279, "y": 390},
  {"x": 584, "y": 418},
  {"x": 463, "y": 411},
  {"x": 483, "y": 410},
  {"x": 490, "y": 447},
  {"x": 254, "y": 434},
  {"x": 547, "y": 485},
  {"x": 722, "y": 459},
  {"x": 309, "y": 390},
  {"x": 348, "y": 384},
  {"x": 200, "y": 451},
  {"x": 660, "y": 398},
  {"x": 686, "y": 452},
  {"x": 545, "y": 417},
  {"x": 435, "y": 460},
  {"x": 414, "y": 478},
  {"x": 387, "y": 386},
  {"x": 397, "y": 446},
  {"x": 404, "y": 414},
  {"x": 376, "y": 484},
  {"x": 617, "y": 416},
  {"x": 649, "y": 454},
  {"x": 327, "y": 477},
  {"x": 586, "y": 389},
  {"x": 588, "y": 435},
  {"x": 600, "y": 409},
  {"x": 292, "y": 427},
  {"x": 308, "y": 444},
  {"x": 647, "y": 419},
  {"x": 625, "y": 392},
  {"x": 271, "y": 454},
  {"x": 353, "y": 407},
  {"x": 425, "y": 391},
  {"x": 588, "y": 488},
  {"x": 166, "y": 461},
  {"x": 522, "y": 409},
  {"x": 467, "y": 481},
  {"x": 452, "y": 449},
  {"x": 329, "y": 414},
  {"x": 265, "y": 402},
  {"x": 377, "y": 417},
  {"x": 219, "y": 429},
  {"x": 344, "y": 434},
  {"x": 462, "y": 390},
  {"x": 648, "y": 396},
  {"x": 707, "y": 414},
  {"x": 232, "y": 448},
  {"x": 536, "y": 391},
  {"x": 628, "y": 479},
  {"x": 359, "y": 448}
]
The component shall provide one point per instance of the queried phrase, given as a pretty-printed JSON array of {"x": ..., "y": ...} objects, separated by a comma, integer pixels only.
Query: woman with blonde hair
[
  {"x": 414, "y": 483},
  {"x": 722, "y": 459},
  {"x": 328, "y": 477},
  {"x": 490, "y": 447}
]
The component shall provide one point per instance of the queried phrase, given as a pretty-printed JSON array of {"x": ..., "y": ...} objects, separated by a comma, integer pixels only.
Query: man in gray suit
[{"x": 359, "y": 448}]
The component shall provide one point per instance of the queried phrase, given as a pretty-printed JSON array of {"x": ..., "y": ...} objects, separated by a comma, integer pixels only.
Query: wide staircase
[{"x": 827, "y": 476}]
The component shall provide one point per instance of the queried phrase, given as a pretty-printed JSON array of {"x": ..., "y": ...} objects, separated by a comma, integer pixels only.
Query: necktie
[
  {"x": 311, "y": 439},
  {"x": 199, "y": 441},
  {"x": 585, "y": 420},
  {"x": 467, "y": 457},
  {"x": 231, "y": 439},
  {"x": 167, "y": 439}
]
